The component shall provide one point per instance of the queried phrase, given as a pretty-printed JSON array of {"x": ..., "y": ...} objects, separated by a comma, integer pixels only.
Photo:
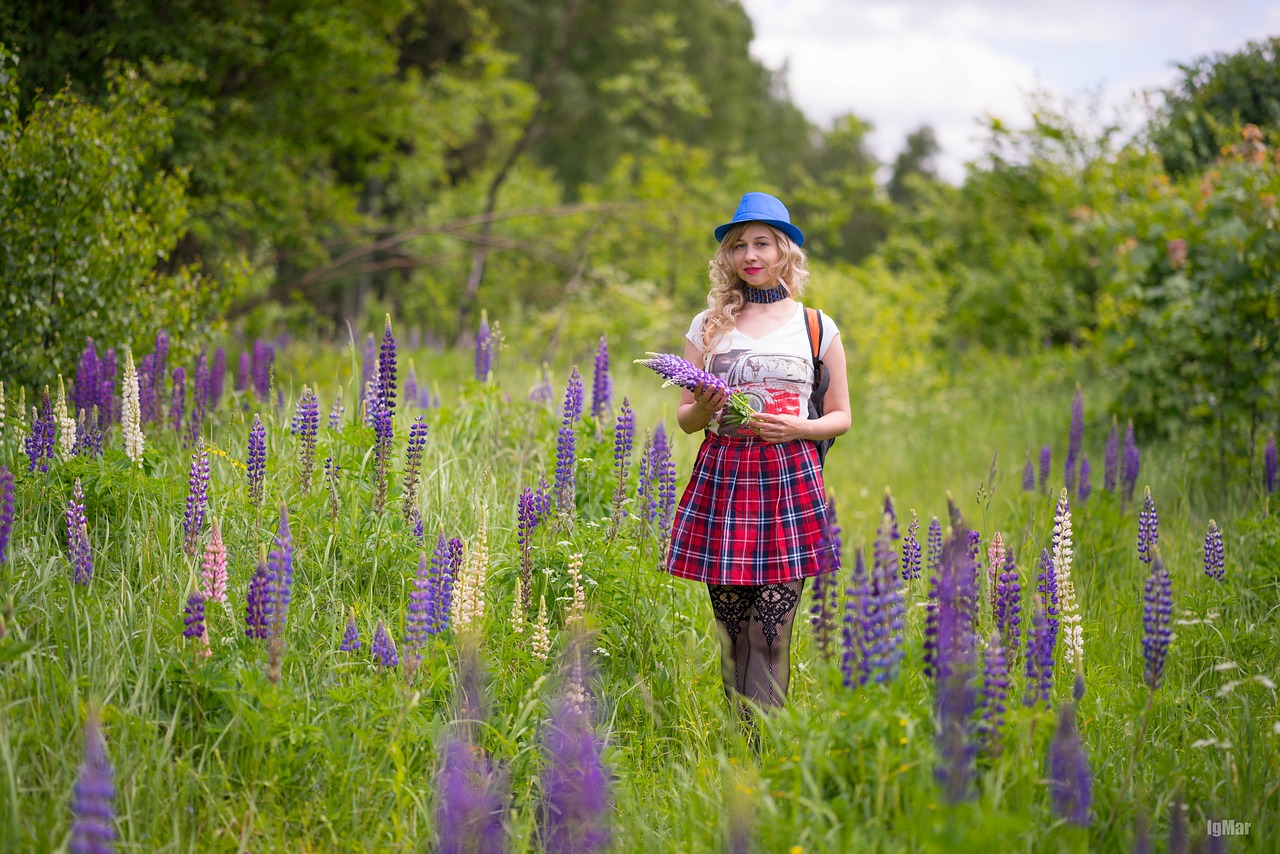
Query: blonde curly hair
[{"x": 728, "y": 291}]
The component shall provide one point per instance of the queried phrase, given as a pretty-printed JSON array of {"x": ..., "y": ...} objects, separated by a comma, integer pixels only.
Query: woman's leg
[
  {"x": 768, "y": 667},
  {"x": 731, "y": 604}
]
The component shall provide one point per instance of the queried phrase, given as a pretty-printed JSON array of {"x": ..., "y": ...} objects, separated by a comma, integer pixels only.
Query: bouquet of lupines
[{"x": 678, "y": 371}]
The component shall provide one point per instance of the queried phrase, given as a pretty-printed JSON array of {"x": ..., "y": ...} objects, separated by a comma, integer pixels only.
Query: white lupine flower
[
  {"x": 540, "y": 643},
  {"x": 1, "y": 414},
  {"x": 517, "y": 613},
  {"x": 22, "y": 411},
  {"x": 1073, "y": 633},
  {"x": 66, "y": 424},
  {"x": 131, "y": 411},
  {"x": 468, "y": 597},
  {"x": 578, "y": 611}
]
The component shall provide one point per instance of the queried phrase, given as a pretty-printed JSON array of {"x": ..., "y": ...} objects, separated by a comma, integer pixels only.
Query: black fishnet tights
[{"x": 755, "y": 638}]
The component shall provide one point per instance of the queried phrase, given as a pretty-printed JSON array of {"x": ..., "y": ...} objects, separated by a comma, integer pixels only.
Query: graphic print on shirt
[{"x": 771, "y": 382}]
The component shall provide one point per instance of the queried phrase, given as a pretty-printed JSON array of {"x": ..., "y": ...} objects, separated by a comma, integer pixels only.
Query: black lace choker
[{"x": 777, "y": 292}]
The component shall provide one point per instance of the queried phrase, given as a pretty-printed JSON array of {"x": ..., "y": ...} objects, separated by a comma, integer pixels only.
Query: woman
[{"x": 750, "y": 521}]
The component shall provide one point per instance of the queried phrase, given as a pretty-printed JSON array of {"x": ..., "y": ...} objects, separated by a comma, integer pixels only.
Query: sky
[{"x": 900, "y": 64}]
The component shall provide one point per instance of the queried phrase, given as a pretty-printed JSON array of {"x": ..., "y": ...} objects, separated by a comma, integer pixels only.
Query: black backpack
[{"x": 813, "y": 326}]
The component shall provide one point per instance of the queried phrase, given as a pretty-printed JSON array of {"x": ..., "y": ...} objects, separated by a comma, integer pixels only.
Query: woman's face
[{"x": 756, "y": 256}]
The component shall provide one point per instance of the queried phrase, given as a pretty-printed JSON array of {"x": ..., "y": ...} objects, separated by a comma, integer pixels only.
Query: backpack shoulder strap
[{"x": 813, "y": 326}]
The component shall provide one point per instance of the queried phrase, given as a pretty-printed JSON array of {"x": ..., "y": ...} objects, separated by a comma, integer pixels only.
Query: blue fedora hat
[{"x": 762, "y": 207}]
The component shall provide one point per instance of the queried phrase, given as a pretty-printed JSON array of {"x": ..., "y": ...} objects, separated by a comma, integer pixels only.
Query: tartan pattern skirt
[{"x": 752, "y": 513}]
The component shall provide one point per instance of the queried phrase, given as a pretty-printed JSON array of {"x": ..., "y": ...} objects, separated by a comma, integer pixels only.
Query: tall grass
[{"x": 212, "y": 755}]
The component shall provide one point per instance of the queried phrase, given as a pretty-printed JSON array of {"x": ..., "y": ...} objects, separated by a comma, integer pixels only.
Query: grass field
[{"x": 340, "y": 754}]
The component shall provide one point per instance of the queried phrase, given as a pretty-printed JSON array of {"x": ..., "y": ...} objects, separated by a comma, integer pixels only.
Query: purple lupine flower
[
  {"x": 244, "y": 372},
  {"x": 263, "y": 356},
  {"x": 1148, "y": 527},
  {"x": 624, "y": 433},
  {"x": 384, "y": 437},
  {"x": 412, "y": 465},
  {"x": 1074, "y": 442},
  {"x": 933, "y": 556},
  {"x": 1046, "y": 463},
  {"x": 1130, "y": 464},
  {"x": 78, "y": 537},
  {"x": 93, "y": 800},
  {"x": 468, "y": 814},
  {"x": 87, "y": 385},
  {"x": 893, "y": 532},
  {"x": 6, "y": 510},
  {"x": 308, "y": 414},
  {"x": 256, "y": 466},
  {"x": 417, "y": 624},
  {"x": 443, "y": 569},
  {"x": 575, "y": 811},
  {"x": 854, "y": 661},
  {"x": 677, "y": 371},
  {"x": 280, "y": 573},
  {"x": 1085, "y": 487},
  {"x": 177, "y": 404},
  {"x": 826, "y": 592},
  {"x": 418, "y": 530},
  {"x": 217, "y": 378},
  {"x": 566, "y": 446},
  {"x": 336, "y": 411},
  {"x": 257, "y": 607},
  {"x": 528, "y": 517},
  {"x": 1008, "y": 608},
  {"x": 664, "y": 469},
  {"x": 411, "y": 388},
  {"x": 107, "y": 400},
  {"x": 369, "y": 364},
  {"x": 197, "y": 499},
  {"x": 383, "y": 647},
  {"x": 1157, "y": 614},
  {"x": 955, "y": 700},
  {"x": 1028, "y": 475},
  {"x": 350, "y": 636},
  {"x": 1214, "y": 555},
  {"x": 884, "y": 647},
  {"x": 193, "y": 616},
  {"x": 1111, "y": 462},
  {"x": 44, "y": 433},
  {"x": 387, "y": 370},
  {"x": 484, "y": 349},
  {"x": 1269, "y": 465},
  {"x": 911, "y": 550},
  {"x": 601, "y": 384},
  {"x": 993, "y": 696},
  {"x": 159, "y": 366},
  {"x": 1070, "y": 781},
  {"x": 1037, "y": 634},
  {"x": 332, "y": 471},
  {"x": 199, "y": 402},
  {"x": 89, "y": 434},
  {"x": 146, "y": 390}
]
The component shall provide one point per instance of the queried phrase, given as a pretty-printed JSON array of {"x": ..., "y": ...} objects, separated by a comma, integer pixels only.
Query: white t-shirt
[{"x": 775, "y": 371}]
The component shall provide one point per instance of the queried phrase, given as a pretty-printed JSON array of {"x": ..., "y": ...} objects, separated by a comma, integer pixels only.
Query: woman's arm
[
  {"x": 836, "y": 418},
  {"x": 697, "y": 408}
]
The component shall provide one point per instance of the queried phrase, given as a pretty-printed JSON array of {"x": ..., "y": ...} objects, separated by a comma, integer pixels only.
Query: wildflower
[
  {"x": 527, "y": 520},
  {"x": 468, "y": 815},
  {"x": 911, "y": 549},
  {"x": 257, "y": 608},
  {"x": 1039, "y": 667},
  {"x": 484, "y": 349},
  {"x": 384, "y": 648},
  {"x": 1073, "y": 632},
  {"x": 6, "y": 510},
  {"x": 369, "y": 366},
  {"x": 1130, "y": 464},
  {"x": 575, "y": 811},
  {"x": 308, "y": 415},
  {"x": 280, "y": 573},
  {"x": 193, "y": 616},
  {"x": 1214, "y": 557},
  {"x": 1008, "y": 606},
  {"x": 412, "y": 465},
  {"x": 934, "y": 553},
  {"x": 217, "y": 378},
  {"x": 1070, "y": 781},
  {"x": 243, "y": 372},
  {"x": 336, "y": 411},
  {"x": 351, "y": 635},
  {"x": 65, "y": 423},
  {"x": 256, "y": 467},
  {"x": 178, "y": 401},
  {"x": 417, "y": 624},
  {"x": 566, "y": 451},
  {"x": 468, "y": 606},
  {"x": 2, "y": 414},
  {"x": 623, "y": 440},
  {"x": 601, "y": 386},
  {"x": 197, "y": 498},
  {"x": 1046, "y": 458},
  {"x": 40, "y": 442},
  {"x": 84, "y": 393},
  {"x": 1028, "y": 475},
  {"x": 411, "y": 387},
  {"x": 93, "y": 800},
  {"x": 892, "y": 531},
  {"x": 995, "y": 563},
  {"x": 676, "y": 371},
  {"x": 383, "y": 439},
  {"x": 1148, "y": 527},
  {"x": 214, "y": 567},
  {"x": 1085, "y": 487},
  {"x": 1075, "y": 440},
  {"x": 663, "y": 467},
  {"x": 263, "y": 356},
  {"x": 993, "y": 695},
  {"x": 1111, "y": 461},
  {"x": 578, "y": 608},
  {"x": 1157, "y": 612},
  {"x": 956, "y": 697},
  {"x": 855, "y": 663},
  {"x": 540, "y": 641},
  {"x": 332, "y": 472},
  {"x": 885, "y": 641},
  {"x": 387, "y": 371},
  {"x": 78, "y": 536},
  {"x": 1269, "y": 465},
  {"x": 825, "y": 584}
]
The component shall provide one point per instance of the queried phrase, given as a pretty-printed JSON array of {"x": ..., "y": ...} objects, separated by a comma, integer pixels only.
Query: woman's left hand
[{"x": 778, "y": 428}]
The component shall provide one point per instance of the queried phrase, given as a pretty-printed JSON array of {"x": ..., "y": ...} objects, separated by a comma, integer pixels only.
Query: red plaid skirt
[{"x": 752, "y": 513}]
